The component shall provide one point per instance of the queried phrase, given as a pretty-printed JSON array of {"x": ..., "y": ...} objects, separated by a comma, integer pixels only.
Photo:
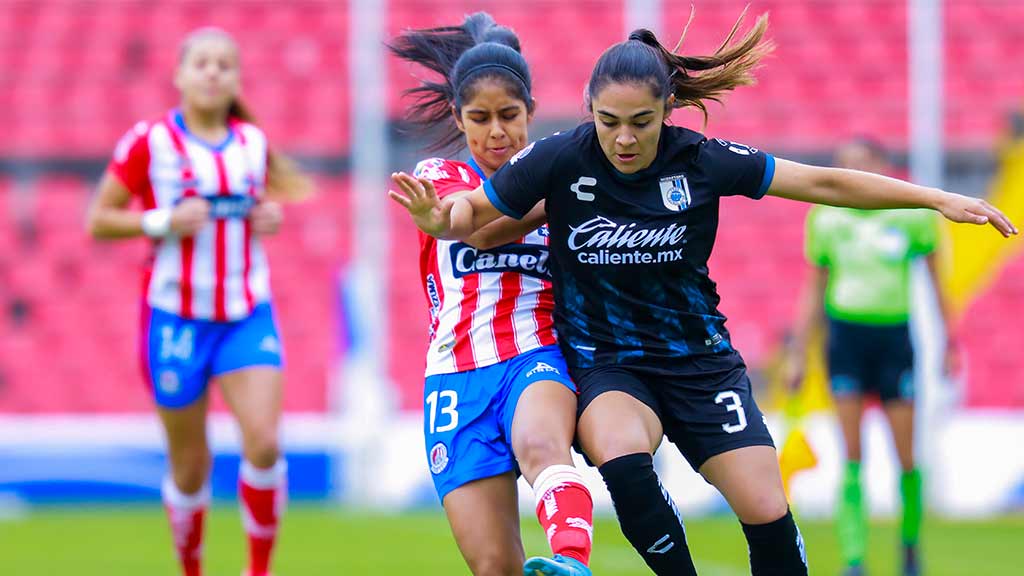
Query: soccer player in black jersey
[{"x": 632, "y": 206}]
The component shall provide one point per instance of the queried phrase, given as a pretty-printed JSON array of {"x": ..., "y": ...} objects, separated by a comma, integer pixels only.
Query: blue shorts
[
  {"x": 181, "y": 356},
  {"x": 467, "y": 416}
]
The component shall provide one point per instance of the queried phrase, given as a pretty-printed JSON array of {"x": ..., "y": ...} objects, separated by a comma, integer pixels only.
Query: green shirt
[{"x": 868, "y": 254}]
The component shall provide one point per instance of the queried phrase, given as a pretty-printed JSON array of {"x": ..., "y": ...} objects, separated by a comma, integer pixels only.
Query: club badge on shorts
[{"x": 438, "y": 458}]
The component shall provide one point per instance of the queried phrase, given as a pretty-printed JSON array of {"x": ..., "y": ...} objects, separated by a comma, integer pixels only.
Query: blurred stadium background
[{"x": 939, "y": 82}]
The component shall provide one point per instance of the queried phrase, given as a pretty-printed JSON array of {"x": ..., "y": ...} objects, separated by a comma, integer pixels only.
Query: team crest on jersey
[
  {"x": 438, "y": 458},
  {"x": 675, "y": 192}
]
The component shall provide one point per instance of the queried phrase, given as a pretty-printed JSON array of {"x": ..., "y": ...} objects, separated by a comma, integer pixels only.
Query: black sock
[
  {"x": 776, "y": 548},
  {"x": 647, "y": 515}
]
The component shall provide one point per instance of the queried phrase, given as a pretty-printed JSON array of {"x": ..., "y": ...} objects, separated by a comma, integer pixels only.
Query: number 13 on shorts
[
  {"x": 448, "y": 402},
  {"x": 732, "y": 403}
]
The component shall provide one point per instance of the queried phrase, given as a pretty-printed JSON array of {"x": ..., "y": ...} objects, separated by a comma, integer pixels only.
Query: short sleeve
[
  {"x": 130, "y": 163},
  {"x": 815, "y": 241},
  {"x": 736, "y": 169},
  {"x": 924, "y": 232},
  {"x": 524, "y": 180},
  {"x": 446, "y": 176}
]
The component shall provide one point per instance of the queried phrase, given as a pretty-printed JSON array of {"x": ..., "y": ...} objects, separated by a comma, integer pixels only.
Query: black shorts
[
  {"x": 865, "y": 359},
  {"x": 705, "y": 404}
]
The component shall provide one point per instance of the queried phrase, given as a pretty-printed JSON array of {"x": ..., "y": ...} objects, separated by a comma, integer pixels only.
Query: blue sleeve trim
[
  {"x": 492, "y": 195},
  {"x": 769, "y": 175}
]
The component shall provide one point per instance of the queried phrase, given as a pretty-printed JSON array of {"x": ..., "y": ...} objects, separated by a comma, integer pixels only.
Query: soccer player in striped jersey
[
  {"x": 207, "y": 182},
  {"x": 497, "y": 397},
  {"x": 632, "y": 209}
]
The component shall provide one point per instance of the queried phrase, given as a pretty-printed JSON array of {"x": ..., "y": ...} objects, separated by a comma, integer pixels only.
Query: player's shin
[
  {"x": 565, "y": 510},
  {"x": 263, "y": 493},
  {"x": 186, "y": 513},
  {"x": 647, "y": 515}
]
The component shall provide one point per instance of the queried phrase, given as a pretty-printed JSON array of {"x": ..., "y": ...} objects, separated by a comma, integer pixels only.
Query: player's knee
[
  {"x": 262, "y": 449},
  {"x": 190, "y": 471},
  {"x": 536, "y": 451},
  {"x": 601, "y": 447},
  {"x": 764, "y": 508},
  {"x": 496, "y": 563}
]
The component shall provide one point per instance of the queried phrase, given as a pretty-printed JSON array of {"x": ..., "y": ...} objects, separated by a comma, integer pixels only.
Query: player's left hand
[
  {"x": 266, "y": 218},
  {"x": 969, "y": 210}
]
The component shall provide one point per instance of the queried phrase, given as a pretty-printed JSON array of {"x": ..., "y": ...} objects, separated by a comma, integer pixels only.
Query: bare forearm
[
  {"x": 854, "y": 189},
  {"x": 114, "y": 223}
]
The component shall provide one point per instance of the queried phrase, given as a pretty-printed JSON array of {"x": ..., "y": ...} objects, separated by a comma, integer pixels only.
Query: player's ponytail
[
  {"x": 478, "y": 48},
  {"x": 285, "y": 181},
  {"x": 691, "y": 79}
]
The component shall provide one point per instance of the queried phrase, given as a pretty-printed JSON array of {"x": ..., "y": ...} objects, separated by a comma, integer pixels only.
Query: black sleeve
[
  {"x": 525, "y": 179},
  {"x": 737, "y": 169}
]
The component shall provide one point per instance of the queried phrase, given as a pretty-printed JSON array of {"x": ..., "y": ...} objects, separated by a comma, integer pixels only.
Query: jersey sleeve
[
  {"x": 445, "y": 176},
  {"x": 736, "y": 169},
  {"x": 525, "y": 179},
  {"x": 924, "y": 232},
  {"x": 815, "y": 241},
  {"x": 130, "y": 163}
]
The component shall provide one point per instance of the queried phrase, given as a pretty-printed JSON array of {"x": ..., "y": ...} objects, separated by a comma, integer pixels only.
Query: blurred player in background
[
  {"x": 859, "y": 290},
  {"x": 497, "y": 395},
  {"x": 632, "y": 206},
  {"x": 207, "y": 183}
]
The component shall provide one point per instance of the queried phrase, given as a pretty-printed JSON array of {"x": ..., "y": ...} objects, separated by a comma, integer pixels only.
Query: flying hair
[
  {"x": 693, "y": 80},
  {"x": 462, "y": 55}
]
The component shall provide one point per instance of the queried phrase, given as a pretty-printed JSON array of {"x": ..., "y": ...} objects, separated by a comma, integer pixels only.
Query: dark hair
[
  {"x": 463, "y": 55},
  {"x": 691, "y": 79}
]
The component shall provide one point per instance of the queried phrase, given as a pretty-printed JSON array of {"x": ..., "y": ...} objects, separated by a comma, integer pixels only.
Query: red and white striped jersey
[
  {"x": 486, "y": 306},
  {"x": 221, "y": 273}
]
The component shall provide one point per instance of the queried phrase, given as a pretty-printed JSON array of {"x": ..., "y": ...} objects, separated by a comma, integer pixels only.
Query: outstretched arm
[
  {"x": 446, "y": 218},
  {"x": 854, "y": 189},
  {"x": 507, "y": 229}
]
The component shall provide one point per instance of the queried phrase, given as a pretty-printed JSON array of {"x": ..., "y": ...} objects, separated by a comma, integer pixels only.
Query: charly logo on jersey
[
  {"x": 675, "y": 192},
  {"x": 577, "y": 188},
  {"x": 603, "y": 241},
  {"x": 736, "y": 147},
  {"x": 438, "y": 458},
  {"x": 526, "y": 259}
]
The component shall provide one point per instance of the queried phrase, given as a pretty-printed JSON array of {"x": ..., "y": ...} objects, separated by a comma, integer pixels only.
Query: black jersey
[{"x": 630, "y": 251}]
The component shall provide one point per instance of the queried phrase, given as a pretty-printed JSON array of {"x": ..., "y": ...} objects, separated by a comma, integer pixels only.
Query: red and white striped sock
[
  {"x": 565, "y": 510},
  {"x": 264, "y": 494},
  {"x": 186, "y": 513}
]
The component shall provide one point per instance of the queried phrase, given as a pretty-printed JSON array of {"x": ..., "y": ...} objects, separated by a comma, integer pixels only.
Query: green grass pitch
[{"x": 326, "y": 541}]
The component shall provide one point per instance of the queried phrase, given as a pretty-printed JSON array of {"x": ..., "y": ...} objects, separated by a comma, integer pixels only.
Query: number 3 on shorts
[
  {"x": 734, "y": 405},
  {"x": 449, "y": 410}
]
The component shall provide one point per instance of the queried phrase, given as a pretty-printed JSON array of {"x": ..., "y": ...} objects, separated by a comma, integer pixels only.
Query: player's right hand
[
  {"x": 431, "y": 214},
  {"x": 793, "y": 370},
  {"x": 190, "y": 216}
]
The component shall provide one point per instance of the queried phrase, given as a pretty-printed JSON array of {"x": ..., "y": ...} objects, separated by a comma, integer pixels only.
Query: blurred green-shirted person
[{"x": 860, "y": 289}]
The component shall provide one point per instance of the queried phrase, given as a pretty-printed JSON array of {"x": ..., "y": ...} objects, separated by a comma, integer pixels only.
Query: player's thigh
[
  {"x": 750, "y": 481},
  {"x": 539, "y": 410},
  {"x": 484, "y": 518},
  {"x": 617, "y": 415},
  {"x": 187, "y": 450},
  {"x": 254, "y": 396}
]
